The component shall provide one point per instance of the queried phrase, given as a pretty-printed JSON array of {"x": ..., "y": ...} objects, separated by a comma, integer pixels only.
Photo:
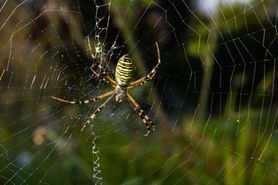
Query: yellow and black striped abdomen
[{"x": 124, "y": 70}]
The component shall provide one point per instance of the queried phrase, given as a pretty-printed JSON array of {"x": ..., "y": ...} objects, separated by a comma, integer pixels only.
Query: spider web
[{"x": 213, "y": 100}]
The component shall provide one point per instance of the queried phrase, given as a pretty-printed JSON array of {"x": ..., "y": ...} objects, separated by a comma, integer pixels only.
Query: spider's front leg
[
  {"x": 147, "y": 121},
  {"x": 97, "y": 111},
  {"x": 109, "y": 94},
  {"x": 84, "y": 101}
]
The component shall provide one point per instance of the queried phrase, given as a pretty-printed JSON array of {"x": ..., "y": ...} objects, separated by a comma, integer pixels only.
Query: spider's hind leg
[
  {"x": 97, "y": 68},
  {"x": 149, "y": 76}
]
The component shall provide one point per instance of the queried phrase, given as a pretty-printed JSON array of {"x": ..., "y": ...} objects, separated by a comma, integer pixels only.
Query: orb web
[{"x": 213, "y": 99}]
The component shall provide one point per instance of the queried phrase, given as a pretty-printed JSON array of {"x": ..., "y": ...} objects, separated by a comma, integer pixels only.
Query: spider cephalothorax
[
  {"x": 120, "y": 93},
  {"x": 121, "y": 84}
]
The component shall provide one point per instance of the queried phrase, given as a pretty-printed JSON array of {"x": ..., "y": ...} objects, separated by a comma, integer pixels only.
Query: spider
[{"x": 121, "y": 84}]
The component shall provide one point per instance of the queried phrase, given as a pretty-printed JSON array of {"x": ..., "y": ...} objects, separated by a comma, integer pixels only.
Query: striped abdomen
[{"x": 124, "y": 70}]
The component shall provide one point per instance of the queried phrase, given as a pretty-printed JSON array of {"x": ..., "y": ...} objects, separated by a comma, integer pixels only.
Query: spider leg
[
  {"x": 147, "y": 121},
  {"x": 84, "y": 101},
  {"x": 98, "y": 66},
  {"x": 149, "y": 76},
  {"x": 97, "y": 111},
  {"x": 103, "y": 74}
]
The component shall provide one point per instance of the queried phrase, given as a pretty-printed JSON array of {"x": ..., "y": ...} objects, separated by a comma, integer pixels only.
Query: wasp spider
[{"x": 121, "y": 84}]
